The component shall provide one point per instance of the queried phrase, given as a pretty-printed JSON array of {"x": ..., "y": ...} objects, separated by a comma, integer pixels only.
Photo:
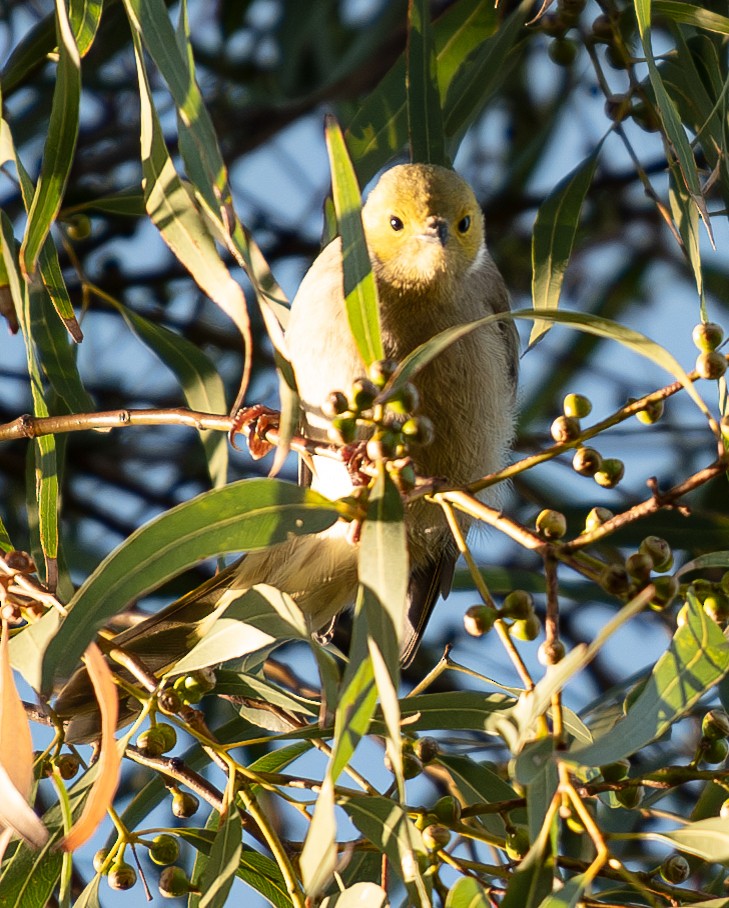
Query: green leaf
[
  {"x": 690, "y": 14},
  {"x": 201, "y": 383},
  {"x": 244, "y": 516},
  {"x": 360, "y": 290},
  {"x": 390, "y": 830},
  {"x": 44, "y": 447},
  {"x": 259, "y": 618},
  {"x": 462, "y": 710},
  {"x": 467, "y": 893},
  {"x": 706, "y": 839},
  {"x": 319, "y": 854},
  {"x": 477, "y": 784},
  {"x": 675, "y": 134},
  {"x": 60, "y": 144},
  {"x": 580, "y": 321},
  {"x": 379, "y": 130},
  {"x": 553, "y": 236},
  {"x": 85, "y": 16},
  {"x": 57, "y": 355},
  {"x": 696, "y": 660},
  {"x": 126, "y": 202},
  {"x": 172, "y": 209},
  {"x": 222, "y": 864},
  {"x": 425, "y": 120}
]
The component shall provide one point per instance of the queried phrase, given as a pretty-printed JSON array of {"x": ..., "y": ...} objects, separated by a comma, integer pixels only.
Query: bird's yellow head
[{"x": 424, "y": 227}]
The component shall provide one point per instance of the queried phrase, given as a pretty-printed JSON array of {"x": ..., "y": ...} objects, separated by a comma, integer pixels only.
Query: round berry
[
  {"x": 173, "y": 883},
  {"x": 122, "y": 876},
  {"x": 184, "y": 804},
  {"x": 675, "y": 869},
  {"x": 707, "y": 336},
  {"x": 651, "y": 413},
  {"x": 436, "y": 837},
  {"x": 659, "y": 551},
  {"x": 614, "y": 579},
  {"x": 715, "y": 725},
  {"x": 164, "y": 849},
  {"x": 526, "y": 630},
  {"x": 610, "y": 473},
  {"x": 615, "y": 772},
  {"x": 639, "y": 566},
  {"x": 381, "y": 371},
  {"x": 447, "y": 809},
  {"x": 479, "y": 619},
  {"x": 517, "y": 842},
  {"x": 711, "y": 364},
  {"x": 519, "y": 604},
  {"x": 426, "y": 749},
  {"x": 551, "y": 653},
  {"x": 630, "y": 797},
  {"x": 577, "y": 406},
  {"x": 587, "y": 461},
  {"x": 334, "y": 405},
  {"x": 551, "y": 524},
  {"x": 564, "y": 429},
  {"x": 596, "y": 518}
]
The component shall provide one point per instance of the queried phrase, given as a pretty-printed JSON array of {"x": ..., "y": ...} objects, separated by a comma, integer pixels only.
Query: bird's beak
[{"x": 436, "y": 229}]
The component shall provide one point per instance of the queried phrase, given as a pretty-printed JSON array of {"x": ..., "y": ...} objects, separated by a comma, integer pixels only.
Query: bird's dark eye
[
  {"x": 464, "y": 224},
  {"x": 396, "y": 223}
]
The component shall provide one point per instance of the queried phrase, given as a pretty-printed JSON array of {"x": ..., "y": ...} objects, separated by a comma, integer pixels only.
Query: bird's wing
[{"x": 427, "y": 582}]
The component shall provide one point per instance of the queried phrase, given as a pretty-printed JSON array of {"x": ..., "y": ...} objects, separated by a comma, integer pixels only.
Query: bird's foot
[
  {"x": 254, "y": 422},
  {"x": 355, "y": 459}
]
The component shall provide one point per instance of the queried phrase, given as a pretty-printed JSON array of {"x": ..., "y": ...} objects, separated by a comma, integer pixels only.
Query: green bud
[
  {"x": 406, "y": 400},
  {"x": 715, "y": 725},
  {"x": 614, "y": 579},
  {"x": 519, "y": 604},
  {"x": 426, "y": 749},
  {"x": 152, "y": 742},
  {"x": 617, "y": 107},
  {"x": 184, "y": 804},
  {"x": 666, "y": 591},
  {"x": 610, "y": 473},
  {"x": 576, "y": 406},
  {"x": 707, "y": 336},
  {"x": 587, "y": 461},
  {"x": 651, "y": 413},
  {"x": 121, "y": 876},
  {"x": 564, "y": 429},
  {"x": 68, "y": 765},
  {"x": 596, "y": 518},
  {"x": 659, "y": 552},
  {"x": 551, "y": 653},
  {"x": 362, "y": 395},
  {"x": 173, "y": 883},
  {"x": 715, "y": 751},
  {"x": 551, "y": 524},
  {"x": 334, "y": 405},
  {"x": 517, "y": 842},
  {"x": 100, "y": 859},
  {"x": 675, "y": 869},
  {"x": 164, "y": 849},
  {"x": 526, "y": 630},
  {"x": 436, "y": 837},
  {"x": 381, "y": 371},
  {"x": 711, "y": 364},
  {"x": 639, "y": 566},
  {"x": 419, "y": 429},
  {"x": 479, "y": 619},
  {"x": 447, "y": 809},
  {"x": 343, "y": 429},
  {"x": 562, "y": 51}
]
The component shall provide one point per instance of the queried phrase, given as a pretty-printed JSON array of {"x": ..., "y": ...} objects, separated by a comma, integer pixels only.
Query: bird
[{"x": 425, "y": 235}]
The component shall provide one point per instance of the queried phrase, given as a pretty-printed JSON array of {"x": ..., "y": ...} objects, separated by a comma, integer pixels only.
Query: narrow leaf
[
  {"x": 553, "y": 236},
  {"x": 706, "y": 839},
  {"x": 425, "y": 120},
  {"x": 223, "y": 863},
  {"x": 689, "y": 14},
  {"x": 244, "y": 516},
  {"x": 60, "y": 144},
  {"x": 467, "y": 892},
  {"x": 696, "y": 660},
  {"x": 319, "y": 854},
  {"x": 360, "y": 290}
]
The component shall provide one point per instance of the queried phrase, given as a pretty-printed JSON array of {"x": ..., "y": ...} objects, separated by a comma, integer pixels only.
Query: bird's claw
[
  {"x": 254, "y": 422},
  {"x": 354, "y": 457}
]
